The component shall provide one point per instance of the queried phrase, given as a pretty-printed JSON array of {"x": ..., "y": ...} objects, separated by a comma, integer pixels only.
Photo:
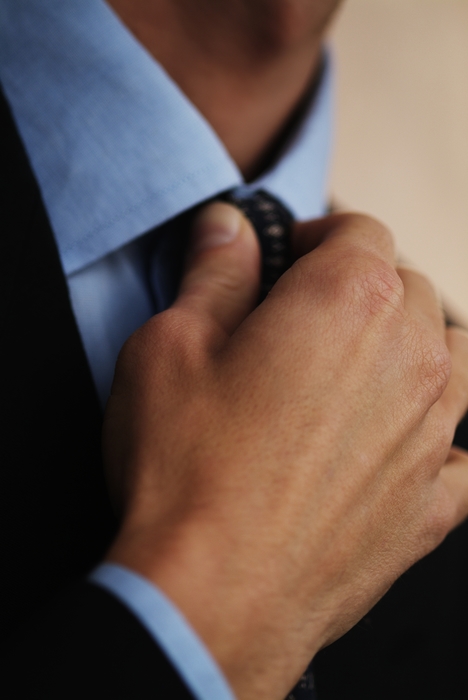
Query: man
[{"x": 276, "y": 470}]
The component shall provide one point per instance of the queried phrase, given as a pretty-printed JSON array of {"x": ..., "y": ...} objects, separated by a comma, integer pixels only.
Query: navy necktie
[{"x": 272, "y": 222}]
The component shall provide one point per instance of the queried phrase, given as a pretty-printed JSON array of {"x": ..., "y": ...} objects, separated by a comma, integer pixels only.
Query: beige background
[{"x": 402, "y": 129}]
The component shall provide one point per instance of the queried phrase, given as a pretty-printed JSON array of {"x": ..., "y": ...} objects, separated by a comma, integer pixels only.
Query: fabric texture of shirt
[{"x": 117, "y": 150}]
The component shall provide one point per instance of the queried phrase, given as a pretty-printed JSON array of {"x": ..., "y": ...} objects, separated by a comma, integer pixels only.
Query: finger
[
  {"x": 341, "y": 231},
  {"x": 455, "y": 397},
  {"x": 454, "y": 476},
  {"x": 222, "y": 276},
  {"x": 422, "y": 300}
]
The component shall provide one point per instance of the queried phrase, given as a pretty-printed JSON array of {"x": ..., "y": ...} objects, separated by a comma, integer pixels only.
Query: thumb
[{"x": 222, "y": 275}]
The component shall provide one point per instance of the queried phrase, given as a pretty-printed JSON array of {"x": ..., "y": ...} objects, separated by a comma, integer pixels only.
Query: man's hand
[{"x": 279, "y": 468}]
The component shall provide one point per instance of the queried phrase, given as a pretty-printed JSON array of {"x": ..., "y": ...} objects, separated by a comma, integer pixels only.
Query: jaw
[{"x": 245, "y": 64}]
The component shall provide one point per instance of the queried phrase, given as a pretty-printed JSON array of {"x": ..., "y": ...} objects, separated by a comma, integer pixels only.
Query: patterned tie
[{"x": 272, "y": 223}]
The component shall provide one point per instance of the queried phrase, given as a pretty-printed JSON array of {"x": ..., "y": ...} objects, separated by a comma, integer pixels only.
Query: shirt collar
[{"x": 116, "y": 146}]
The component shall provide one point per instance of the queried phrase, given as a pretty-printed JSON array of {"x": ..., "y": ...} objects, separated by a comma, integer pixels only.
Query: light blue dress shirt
[{"x": 117, "y": 149}]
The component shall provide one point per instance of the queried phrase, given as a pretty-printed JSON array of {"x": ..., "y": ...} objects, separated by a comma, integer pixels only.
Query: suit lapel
[{"x": 55, "y": 517}]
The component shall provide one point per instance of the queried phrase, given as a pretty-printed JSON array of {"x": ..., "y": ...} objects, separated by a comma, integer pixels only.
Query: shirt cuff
[{"x": 168, "y": 627}]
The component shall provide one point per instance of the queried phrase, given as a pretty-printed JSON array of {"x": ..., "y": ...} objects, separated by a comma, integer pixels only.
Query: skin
[
  {"x": 277, "y": 468},
  {"x": 244, "y": 63}
]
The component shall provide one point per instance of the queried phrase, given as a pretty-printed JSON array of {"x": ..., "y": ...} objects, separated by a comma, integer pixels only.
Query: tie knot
[{"x": 272, "y": 222}]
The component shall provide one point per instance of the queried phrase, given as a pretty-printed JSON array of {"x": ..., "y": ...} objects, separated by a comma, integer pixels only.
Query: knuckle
[
  {"x": 371, "y": 230},
  {"x": 372, "y": 285},
  {"x": 165, "y": 329},
  {"x": 429, "y": 363},
  {"x": 444, "y": 434},
  {"x": 354, "y": 274},
  {"x": 178, "y": 330},
  {"x": 382, "y": 288},
  {"x": 170, "y": 335},
  {"x": 358, "y": 286},
  {"x": 439, "y": 520},
  {"x": 435, "y": 367}
]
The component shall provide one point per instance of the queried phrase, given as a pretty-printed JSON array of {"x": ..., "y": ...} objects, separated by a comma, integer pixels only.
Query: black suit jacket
[
  {"x": 61, "y": 637},
  {"x": 65, "y": 638}
]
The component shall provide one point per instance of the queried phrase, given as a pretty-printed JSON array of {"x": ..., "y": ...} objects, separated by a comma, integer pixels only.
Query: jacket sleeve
[{"x": 89, "y": 645}]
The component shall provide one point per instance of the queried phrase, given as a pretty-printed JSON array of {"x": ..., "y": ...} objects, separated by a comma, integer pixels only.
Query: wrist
[{"x": 240, "y": 620}]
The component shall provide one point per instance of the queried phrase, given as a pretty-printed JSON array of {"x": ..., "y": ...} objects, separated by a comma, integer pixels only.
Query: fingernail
[{"x": 216, "y": 225}]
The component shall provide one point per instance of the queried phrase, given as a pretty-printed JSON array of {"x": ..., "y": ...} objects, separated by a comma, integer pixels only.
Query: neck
[{"x": 245, "y": 64}]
